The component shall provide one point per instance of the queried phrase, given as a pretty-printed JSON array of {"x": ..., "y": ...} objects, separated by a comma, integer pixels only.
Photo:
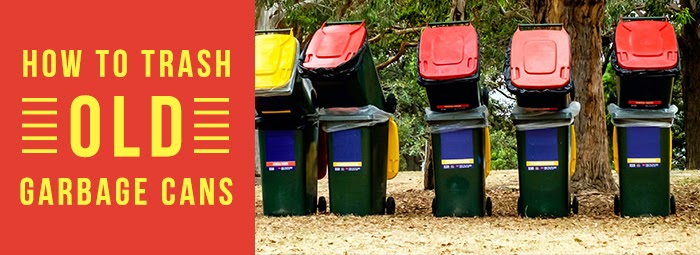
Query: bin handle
[
  {"x": 663, "y": 18},
  {"x": 447, "y": 23},
  {"x": 275, "y": 31},
  {"x": 351, "y": 22},
  {"x": 540, "y": 25}
]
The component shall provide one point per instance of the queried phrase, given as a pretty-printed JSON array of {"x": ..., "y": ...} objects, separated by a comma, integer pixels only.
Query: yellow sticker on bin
[
  {"x": 643, "y": 160},
  {"x": 347, "y": 164},
  {"x": 275, "y": 56},
  {"x": 542, "y": 163},
  {"x": 457, "y": 161}
]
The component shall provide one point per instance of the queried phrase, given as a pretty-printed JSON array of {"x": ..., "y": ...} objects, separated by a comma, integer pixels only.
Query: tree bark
[
  {"x": 690, "y": 78},
  {"x": 583, "y": 20},
  {"x": 457, "y": 11}
]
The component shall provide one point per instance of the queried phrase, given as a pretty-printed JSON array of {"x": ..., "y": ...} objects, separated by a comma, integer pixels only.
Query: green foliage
[
  {"x": 495, "y": 22},
  {"x": 504, "y": 154}
]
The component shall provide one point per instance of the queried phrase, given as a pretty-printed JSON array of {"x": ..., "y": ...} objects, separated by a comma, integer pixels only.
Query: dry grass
[{"x": 595, "y": 230}]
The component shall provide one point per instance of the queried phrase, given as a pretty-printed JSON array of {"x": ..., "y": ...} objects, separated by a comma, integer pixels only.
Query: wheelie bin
[
  {"x": 537, "y": 69},
  {"x": 448, "y": 66},
  {"x": 287, "y": 128},
  {"x": 339, "y": 63},
  {"x": 546, "y": 161},
  {"x": 646, "y": 60},
  {"x": 279, "y": 89},
  {"x": 642, "y": 155},
  {"x": 289, "y": 170},
  {"x": 358, "y": 156},
  {"x": 461, "y": 156}
]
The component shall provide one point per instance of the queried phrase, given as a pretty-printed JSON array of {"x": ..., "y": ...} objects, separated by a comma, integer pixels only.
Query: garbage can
[
  {"x": 642, "y": 156},
  {"x": 545, "y": 161},
  {"x": 537, "y": 69},
  {"x": 461, "y": 156},
  {"x": 339, "y": 63},
  {"x": 646, "y": 61},
  {"x": 448, "y": 66},
  {"x": 278, "y": 87},
  {"x": 288, "y": 158},
  {"x": 358, "y": 141}
]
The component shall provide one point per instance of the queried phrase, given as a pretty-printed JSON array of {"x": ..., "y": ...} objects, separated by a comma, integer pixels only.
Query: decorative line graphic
[
  {"x": 39, "y": 151},
  {"x": 39, "y": 100},
  {"x": 210, "y": 151},
  {"x": 209, "y": 126},
  {"x": 210, "y": 100},
  {"x": 39, "y": 138},
  {"x": 39, "y": 125},
  {"x": 210, "y": 112},
  {"x": 211, "y": 138},
  {"x": 45, "y": 137},
  {"x": 39, "y": 112}
]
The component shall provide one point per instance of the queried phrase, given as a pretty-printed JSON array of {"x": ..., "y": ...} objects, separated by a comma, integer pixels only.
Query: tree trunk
[
  {"x": 457, "y": 11},
  {"x": 456, "y": 14},
  {"x": 427, "y": 167},
  {"x": 583, "y": 20},
  {"x": 690, "y": 70}
]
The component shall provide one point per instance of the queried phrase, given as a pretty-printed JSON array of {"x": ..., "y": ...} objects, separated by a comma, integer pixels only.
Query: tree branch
[
  {"x": 674, "y": 7},
  {"x": 398, "y": 55},
  {"x": 344, "y": 9},
  {"x": 398, "y": 31},
  {"x": 504, "y": 94}
]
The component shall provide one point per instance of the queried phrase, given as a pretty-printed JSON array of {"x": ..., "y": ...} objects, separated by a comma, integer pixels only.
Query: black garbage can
[
  {"x": 339, "y": 63},
  {"x": 279, "y": 90},
  {"x": 537, "y": 67},
  {"x": 646, "y": 60},
  {"x": 448, "y": 66}
]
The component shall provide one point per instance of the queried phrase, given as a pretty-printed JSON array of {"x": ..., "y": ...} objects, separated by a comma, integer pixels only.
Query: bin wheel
[
  {"x": 616, "y": 205},
  {"x": 390, "y": 104},
  {"x": 390, "y": 206},
  {"x": 322, "y": 204},
  {"x": 574, "y": 205},
  {"x": 520, "y": 208},
  {"x": 433, "y": 207},
  {"x": 489, "y": 206},
  {"x": 673, "y": 204}
]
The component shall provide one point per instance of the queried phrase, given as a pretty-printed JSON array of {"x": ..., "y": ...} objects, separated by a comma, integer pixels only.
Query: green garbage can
[
  {"x": 357, "y": 161},
  {"x": 288, "y": 159},
  {"x": 642, "y": 156},
  {"x": 545, "y": 141},
  {"x": 461, "y": 162}
]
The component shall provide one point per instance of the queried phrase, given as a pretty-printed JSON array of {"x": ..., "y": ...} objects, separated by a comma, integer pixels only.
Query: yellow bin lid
[{"x": 276, "y": 57}]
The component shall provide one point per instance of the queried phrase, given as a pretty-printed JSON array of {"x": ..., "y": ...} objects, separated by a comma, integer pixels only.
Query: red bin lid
[
  {"x": 333, "y": 45},
  {"x": 448, "y": 52},
  {"x": 646, "y": 45},
  {"x": 540, "y": 59}
]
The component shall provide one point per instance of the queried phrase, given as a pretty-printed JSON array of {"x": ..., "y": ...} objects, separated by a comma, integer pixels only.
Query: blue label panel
[
  {"x": 457, "y": 150},
  {"x": 541, "y": 149},
  {"x": 347, "y": 150},
  {"x": 279, "y": 150},
  {"x": 643, "y": 147}
]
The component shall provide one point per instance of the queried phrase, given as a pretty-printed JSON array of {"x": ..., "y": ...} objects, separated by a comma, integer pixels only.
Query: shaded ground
[{"x": 414, "y": 230}]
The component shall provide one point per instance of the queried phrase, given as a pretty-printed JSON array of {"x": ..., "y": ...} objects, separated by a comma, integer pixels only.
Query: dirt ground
[{"x": 413, "y": 230}]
